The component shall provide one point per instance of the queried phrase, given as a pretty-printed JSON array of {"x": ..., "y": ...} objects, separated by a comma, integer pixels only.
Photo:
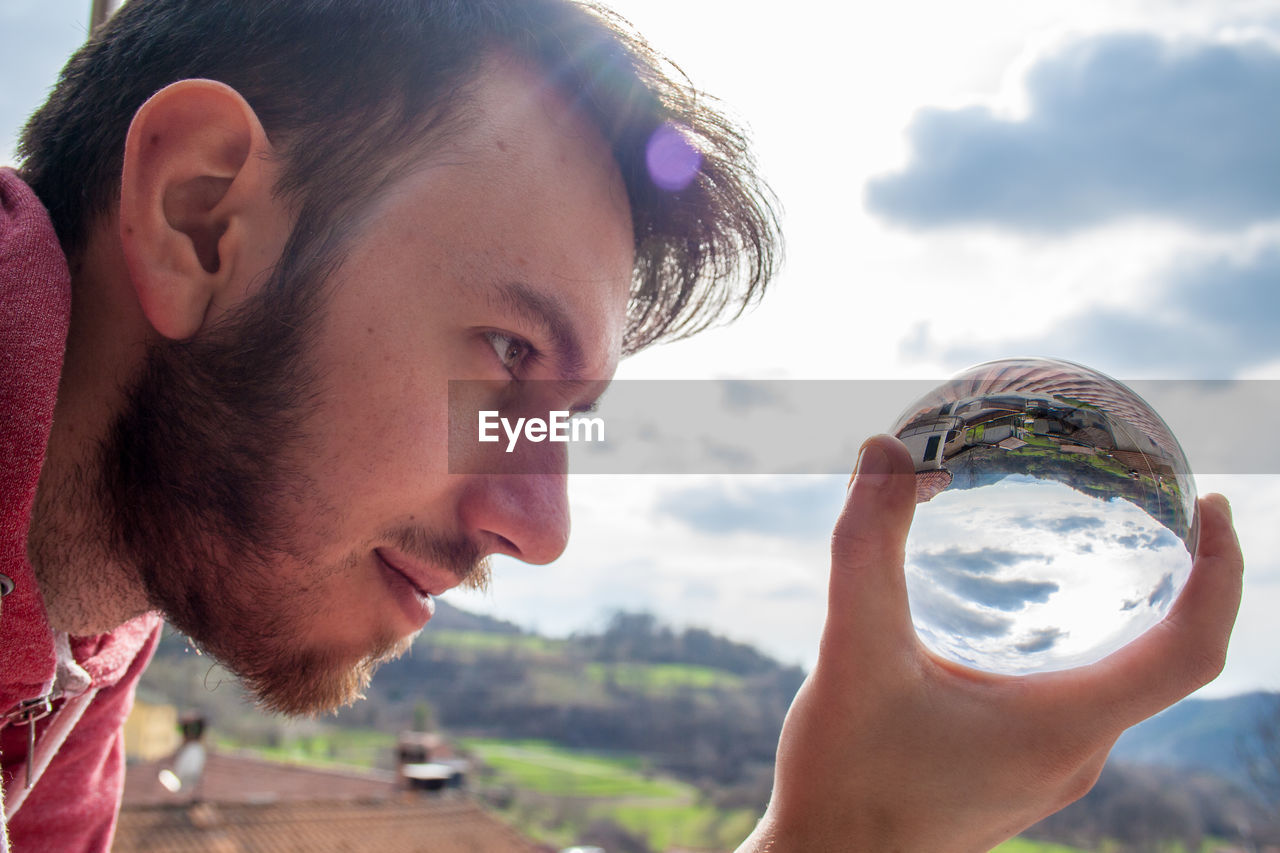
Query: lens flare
[{"x": 672, "y": 160}]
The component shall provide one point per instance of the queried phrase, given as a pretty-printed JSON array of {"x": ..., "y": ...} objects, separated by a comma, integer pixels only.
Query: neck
[{"x": 85, "y": 589}]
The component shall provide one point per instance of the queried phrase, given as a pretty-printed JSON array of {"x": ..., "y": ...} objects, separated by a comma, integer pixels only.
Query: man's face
[{"x": 507, "y": 256}]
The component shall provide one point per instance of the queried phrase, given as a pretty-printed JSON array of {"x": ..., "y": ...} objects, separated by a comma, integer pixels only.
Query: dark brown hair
[{"x": 349, "y": 89}]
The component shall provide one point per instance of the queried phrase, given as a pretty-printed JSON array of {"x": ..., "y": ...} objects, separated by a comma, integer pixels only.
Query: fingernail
[{"x": 873, "y": 466}]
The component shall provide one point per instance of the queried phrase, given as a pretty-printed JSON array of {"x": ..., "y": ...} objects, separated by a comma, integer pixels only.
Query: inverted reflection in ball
[{"x": 1055, "y": 516}]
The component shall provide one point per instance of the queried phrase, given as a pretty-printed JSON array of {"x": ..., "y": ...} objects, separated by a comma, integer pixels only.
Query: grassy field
[
  {"x": 482, "y": 641},
  {"x": 691, "y": 824},
  {"x": 1026, "y": 845},
  {"x": 661, "y": 678},
  {"x": 589, "y": 785},
  {"x": 351, "y": 747},
  {"x": 547, "y": 769}
]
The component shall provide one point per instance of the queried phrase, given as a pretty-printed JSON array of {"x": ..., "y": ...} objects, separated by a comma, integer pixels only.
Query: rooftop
[
  {"x": 234, "y": 777},
  {"x": 246, "y": 803},
  {"x": 405, "y": 824}
]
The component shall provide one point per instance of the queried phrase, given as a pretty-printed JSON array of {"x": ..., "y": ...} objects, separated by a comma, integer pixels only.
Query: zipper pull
[
  {"x": 25, "y": 714},
  {"x": 31, "y": 751}
]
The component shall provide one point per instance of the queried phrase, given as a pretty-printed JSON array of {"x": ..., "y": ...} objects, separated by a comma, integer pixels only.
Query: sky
[{"x": 1085, "y": 179}]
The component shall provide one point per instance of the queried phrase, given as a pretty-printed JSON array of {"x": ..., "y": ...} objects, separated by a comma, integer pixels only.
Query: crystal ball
[{"x": 1055, "y": 518}]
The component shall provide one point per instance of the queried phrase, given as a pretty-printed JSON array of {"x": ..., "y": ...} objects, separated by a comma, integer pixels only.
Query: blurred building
[{"x": 151, "y": 731}]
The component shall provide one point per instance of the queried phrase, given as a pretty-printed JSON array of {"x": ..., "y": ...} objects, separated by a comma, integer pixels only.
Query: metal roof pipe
[{"x": 100, "y": 11}]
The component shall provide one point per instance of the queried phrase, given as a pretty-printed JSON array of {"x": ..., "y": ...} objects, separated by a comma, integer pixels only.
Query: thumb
[{"x": 867, "y": 596}]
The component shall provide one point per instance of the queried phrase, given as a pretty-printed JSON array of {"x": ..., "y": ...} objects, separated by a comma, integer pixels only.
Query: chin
[{"x": 307, "y": 683}]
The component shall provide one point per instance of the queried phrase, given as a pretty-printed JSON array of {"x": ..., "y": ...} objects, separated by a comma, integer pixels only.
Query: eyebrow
[{"x": 549, "y": 314}]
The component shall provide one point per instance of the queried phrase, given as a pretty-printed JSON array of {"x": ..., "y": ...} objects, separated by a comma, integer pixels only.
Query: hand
[{"x": 888, "y": 747}]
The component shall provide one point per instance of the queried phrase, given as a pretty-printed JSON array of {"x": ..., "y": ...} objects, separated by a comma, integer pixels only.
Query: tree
[
  {"x": 424, "y": 717},
  {"x": 1262, "y": 756}
]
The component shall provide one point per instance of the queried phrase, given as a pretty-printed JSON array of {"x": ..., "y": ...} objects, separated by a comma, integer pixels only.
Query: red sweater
[{"x": 72, "y": 805}]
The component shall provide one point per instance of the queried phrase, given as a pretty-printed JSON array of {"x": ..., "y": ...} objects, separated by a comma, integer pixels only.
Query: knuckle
[
  {"x": 1207, "y": 662},
  {"x": 1080, "y": 780},
  {"x": 857, "y": 539},
  {"x": 1071, "y": 763},
  {"x": 847, "y": 542},
  {"x": 1077, "y": 786}
]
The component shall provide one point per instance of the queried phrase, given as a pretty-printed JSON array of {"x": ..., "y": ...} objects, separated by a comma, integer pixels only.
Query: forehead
[{"x": 525, "y": 192}]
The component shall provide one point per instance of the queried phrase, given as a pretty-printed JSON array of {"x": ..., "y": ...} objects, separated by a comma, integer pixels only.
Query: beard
[{"x": 201, "y": 493}]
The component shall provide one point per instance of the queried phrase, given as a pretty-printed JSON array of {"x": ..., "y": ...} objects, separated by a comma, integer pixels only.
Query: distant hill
[
  {"x": 627, "y": 687},
  {"x": 698, "y": 705},
  {"x": 1180, "y": 777},
  {"x": 1196, "y": 734},
  {"x": 630, "y": 687},
  {"x": 1203, "y": 734},
  {"x": 450, "y": 618}
]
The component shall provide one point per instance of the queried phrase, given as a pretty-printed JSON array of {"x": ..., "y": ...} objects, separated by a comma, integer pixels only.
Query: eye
[{"x": 512, "y": 351}]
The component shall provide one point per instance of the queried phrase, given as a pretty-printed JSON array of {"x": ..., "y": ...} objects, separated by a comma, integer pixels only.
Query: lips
[
  {"x": 425, "y": 578},
  {"x": 412, "y": 585}
]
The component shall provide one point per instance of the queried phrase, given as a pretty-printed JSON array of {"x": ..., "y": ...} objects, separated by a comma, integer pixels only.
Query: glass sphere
[{"x": 1055, "y": 516}]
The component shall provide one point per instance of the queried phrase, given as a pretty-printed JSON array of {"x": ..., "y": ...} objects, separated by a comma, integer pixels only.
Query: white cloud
[
  {"x": 1204, "y": 315},
  {"x": 1118, "y": 125}
]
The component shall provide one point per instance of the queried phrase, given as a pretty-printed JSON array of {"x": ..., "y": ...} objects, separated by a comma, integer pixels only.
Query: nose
[
  {"x": 525, "y": 516},
  {"x": 514, "y": 498}
]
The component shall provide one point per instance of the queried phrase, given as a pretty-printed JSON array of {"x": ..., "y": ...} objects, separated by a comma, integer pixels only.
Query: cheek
[
  {"x": 383, "y": 388},
  {"x": 395, "y": 432},
  {"x": 380, "y": 436}
]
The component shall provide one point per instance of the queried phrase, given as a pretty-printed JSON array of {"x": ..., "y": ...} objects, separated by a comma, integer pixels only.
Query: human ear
[{"x": 194, "y": 180}]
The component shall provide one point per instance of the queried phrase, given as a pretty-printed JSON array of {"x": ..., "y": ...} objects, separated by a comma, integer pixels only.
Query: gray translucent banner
[{"x": 788, "y": 426}]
